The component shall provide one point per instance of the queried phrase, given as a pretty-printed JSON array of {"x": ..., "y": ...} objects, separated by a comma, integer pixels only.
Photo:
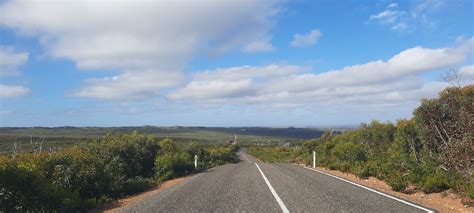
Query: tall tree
[{"x": 447, "y": 126}]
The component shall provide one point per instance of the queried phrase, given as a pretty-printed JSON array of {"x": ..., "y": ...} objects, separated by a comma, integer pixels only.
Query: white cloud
[
  {"x": 13, "y": 91},
  {"x": 394, "y": 81},
  {"x": 242, "y": 72},
  {"x": 10, "y": 61},
  {"x": 130, "y": 85},
  {"x": 420, "y": 15},
  {"x": 232, "y": 82},
  {"x": 392, "y": 5},
  {"x": 258, "y": 46},
  {"x": 400, "y": 27},
  {"x": 306, "y": 40},
  {"x": 140, "y": 38},
  {"x": 387, "y": 16},
  {"x": 467, "y": 73},
  {"x": 426, "y": 6}
]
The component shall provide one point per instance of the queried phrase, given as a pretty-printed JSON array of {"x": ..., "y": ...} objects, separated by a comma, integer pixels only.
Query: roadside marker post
[
  {"x": 314, "y": 159},
  {"x": 195, "y": 162}
]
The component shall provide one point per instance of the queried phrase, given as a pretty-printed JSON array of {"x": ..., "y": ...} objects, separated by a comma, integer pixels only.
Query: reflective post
[{"x": 195, "y": 162}]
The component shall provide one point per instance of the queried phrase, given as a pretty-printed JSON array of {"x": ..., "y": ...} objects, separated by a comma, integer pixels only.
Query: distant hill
[
  {"x": 291, "y": 132},
  {"x": 57, "y": 137}
]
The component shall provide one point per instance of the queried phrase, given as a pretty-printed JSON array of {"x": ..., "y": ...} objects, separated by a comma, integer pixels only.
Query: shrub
[
  {"x": 344, "y": 167},
  {"x": 332, "y": 166},
  {"x": 349, "y": 152},
  {"x": 172, "y": 165},
  {"x": 276, "y": 154},
  {"x": 471, "y": 191},
  {"x": 137, "y": 184},
  {"x": 24, "y": 189},
  {"x": 364, "y": 172},
  {"x": 397, "y": 183},
  {"x": 219, "y": 156},
  {"x": 435, "y": 183}
]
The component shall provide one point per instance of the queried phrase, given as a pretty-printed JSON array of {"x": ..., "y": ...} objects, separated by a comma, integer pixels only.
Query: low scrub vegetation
[
  {"x": 433, "y": 151},
  {"x": 277, "y": 154},
  {"x": 84, "y": 176}
]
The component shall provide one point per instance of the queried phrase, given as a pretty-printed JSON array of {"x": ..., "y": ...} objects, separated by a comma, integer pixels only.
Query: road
[{"x": 254, "y": 186}]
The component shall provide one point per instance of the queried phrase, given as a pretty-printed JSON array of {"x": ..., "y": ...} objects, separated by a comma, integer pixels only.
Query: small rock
[
  {"x": 410, "y": 189},
  {"x": 467, "y": 201}
]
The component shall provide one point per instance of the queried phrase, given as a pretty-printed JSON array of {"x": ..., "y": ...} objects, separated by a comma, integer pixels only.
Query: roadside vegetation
[
  {"x": 86, "y": 175},
  {"x": 433, "y": 151}
]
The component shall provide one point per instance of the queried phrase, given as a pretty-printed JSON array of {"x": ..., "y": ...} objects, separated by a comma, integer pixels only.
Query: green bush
[
  {"x": 332, "y": 166},
  {"x": 137, "y": 184},
  {"x": 221, "y": 155},
  {"x": 171, "y": 165},
  {"x": 276, "y": 154},
  {"x": 397, "y": 183},
  {"x": 471, "y": 191},
  {"x": 24, "y": 189},
  {"x": 435, "y": 183},
  {"x": 364, "y": 172},
  {"x": 349, "y": 152},
  {"x": 344, "y": 167}
]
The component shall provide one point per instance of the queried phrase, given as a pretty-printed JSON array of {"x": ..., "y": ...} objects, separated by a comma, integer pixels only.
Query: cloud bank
[
  {"x": 144, "y": 43},
  {"x": 397, "y": 80}
]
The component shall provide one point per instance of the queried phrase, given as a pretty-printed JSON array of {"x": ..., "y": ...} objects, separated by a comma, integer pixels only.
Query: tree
[
  {"x": 446, "y": 124},
  {"x": 167, "y": 146},
  {"x": 408, "y": 140}
]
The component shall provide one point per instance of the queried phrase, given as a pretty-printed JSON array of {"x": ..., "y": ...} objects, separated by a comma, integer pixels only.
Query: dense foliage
[
  {"x": 81, "y": 177},
  {"x": 433, "y": 151}
]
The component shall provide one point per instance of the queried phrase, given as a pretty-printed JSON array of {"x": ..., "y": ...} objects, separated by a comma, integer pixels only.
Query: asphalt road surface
[{"x": 254, "y": 186}]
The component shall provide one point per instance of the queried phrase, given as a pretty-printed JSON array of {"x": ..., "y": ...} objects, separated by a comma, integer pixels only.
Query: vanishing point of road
[{"x": 254, "y": 186}]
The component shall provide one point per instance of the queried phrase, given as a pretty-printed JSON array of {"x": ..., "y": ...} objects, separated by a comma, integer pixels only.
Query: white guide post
[
  {"x": 314, "y": 159},
  {"x": 195, "y": 161}
]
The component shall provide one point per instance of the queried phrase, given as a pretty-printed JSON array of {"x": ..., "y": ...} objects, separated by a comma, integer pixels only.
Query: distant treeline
[
  {"x": 432, "y": 151},
  {"x": 291, "y": 132},
  {"x": 59, "y": 137},
  {"x": 296, "y": 133},
  {"x": 86, "y": 175}
]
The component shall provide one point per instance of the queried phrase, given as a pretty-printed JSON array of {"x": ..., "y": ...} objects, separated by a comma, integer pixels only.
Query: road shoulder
[
  {"x": 443, "y": 202},
  {"x": 117, "y": 205}
]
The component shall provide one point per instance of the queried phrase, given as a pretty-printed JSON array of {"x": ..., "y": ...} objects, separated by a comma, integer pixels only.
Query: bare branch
[{"x": 453, "y": 77}]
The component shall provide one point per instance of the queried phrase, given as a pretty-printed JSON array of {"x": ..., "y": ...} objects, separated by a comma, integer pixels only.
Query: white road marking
[
  {"x": 375, "y": 191},
  {"x": 275, "y": 195},
  {"x": 246, "y": 158}
]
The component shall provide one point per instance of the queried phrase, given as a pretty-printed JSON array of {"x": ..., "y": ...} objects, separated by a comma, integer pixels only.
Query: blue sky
[{"x": 227, "y": 63}]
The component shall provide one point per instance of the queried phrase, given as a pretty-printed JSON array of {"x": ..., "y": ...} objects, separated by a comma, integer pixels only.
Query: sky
[{"x": 227, "y": 63}]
